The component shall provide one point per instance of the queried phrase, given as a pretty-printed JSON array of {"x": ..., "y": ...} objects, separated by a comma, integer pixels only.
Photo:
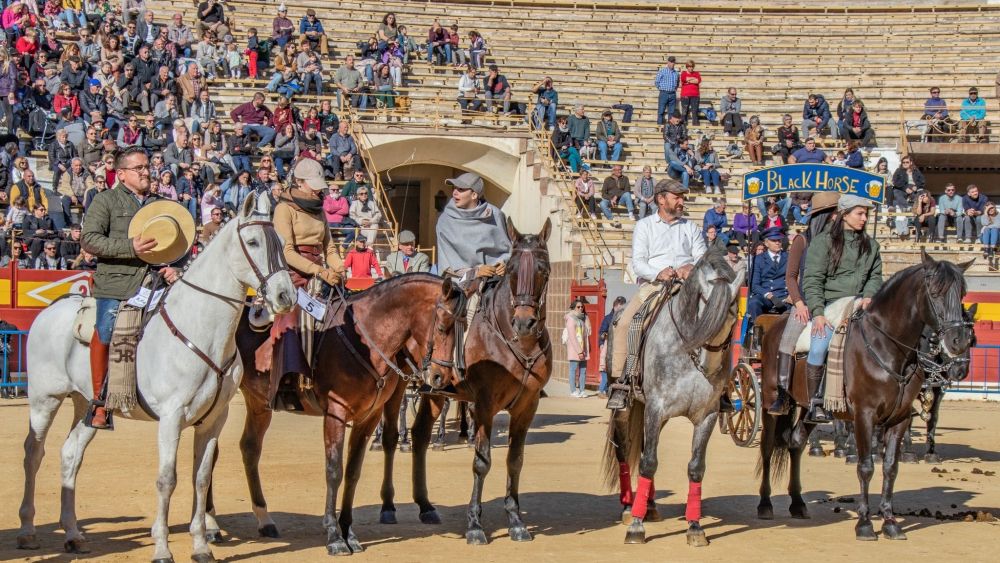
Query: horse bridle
[
  {"x": 276, "y": 264},
  {"x": 943, "y": 328},
  {"x": 524, "y": 294},
  {"x": 428, "y": 357}
]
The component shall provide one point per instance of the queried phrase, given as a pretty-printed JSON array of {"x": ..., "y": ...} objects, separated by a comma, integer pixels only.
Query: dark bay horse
[
  {"x": 882, "y": 377},
  {"x": 355, "y": 380},
  {"x": 509, "y": 359}
]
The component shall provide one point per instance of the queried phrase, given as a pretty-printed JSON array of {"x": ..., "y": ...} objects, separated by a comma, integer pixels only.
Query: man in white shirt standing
[{"x": 665, "y": 247}]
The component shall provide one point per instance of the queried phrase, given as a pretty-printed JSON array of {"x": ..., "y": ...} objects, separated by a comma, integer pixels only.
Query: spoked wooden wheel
[{"x": 744, "y": 390}]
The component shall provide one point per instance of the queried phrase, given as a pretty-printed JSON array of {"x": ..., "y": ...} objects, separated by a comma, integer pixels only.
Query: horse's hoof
[
  {"x": 851, "y": 459},
  {"x": 354, "y": 544},
  {"x": 202, "y": 558},
  {"x": 636, "y": 533},
  {"x": 79, "y": 545},
  {"x": 269, "y": 531},
  {"x": 839, "y": 453},
  {"x": 338, "y": 547},
  {"x": 799, "y": 510},
  {"x": 652, "y": 514},
  {"x": 627, "y": 516},
  {"x": 28, "y": 542},
  {"x": 430, "y": 517},
  {"x": 865, "y": 532},
  {"x": 387, "y": 517},
  {"x": 375, "y": 447},
  {"x": 933, "y": 459},
  {"x": 908, "y": 457},
  {"x": 164, "y": 560},
  {"x": 696, "y": 538},
  {"x": 893, "y": 531},
  {"x": 405, "y": 448},
  {"x": 765, "y": 512},
  {"x": 476, "y": 537},
  {"x": 519, "y": 533},
  {"x": 816, "y": 451},
  {"x": 214, "y": 536}
]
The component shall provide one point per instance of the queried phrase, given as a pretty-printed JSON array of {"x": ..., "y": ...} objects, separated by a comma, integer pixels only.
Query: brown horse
[
  {"x": 509, "y": 360},
  {"x": 882, "y": 376},
  {"x": 357, "y": 378}
]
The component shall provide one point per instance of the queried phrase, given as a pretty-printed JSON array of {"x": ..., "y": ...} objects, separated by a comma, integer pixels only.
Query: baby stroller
[{"x": 41, "y": 127}]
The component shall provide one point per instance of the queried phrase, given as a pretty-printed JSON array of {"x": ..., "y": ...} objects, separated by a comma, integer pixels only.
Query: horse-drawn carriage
[{"x": 744, "y": 389}]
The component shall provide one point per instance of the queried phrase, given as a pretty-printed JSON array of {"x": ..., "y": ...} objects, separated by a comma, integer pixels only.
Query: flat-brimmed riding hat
[
  {"x": 407, "y": 237},
  {"x": 822, "y": 201},
  {"x": 669, "y": 185},
  {"x": 311, "y": 172},
  {"x": 468, "y": 181},
  {"x": 167, "y": 222},
  {"x": 849, "y": 202}
]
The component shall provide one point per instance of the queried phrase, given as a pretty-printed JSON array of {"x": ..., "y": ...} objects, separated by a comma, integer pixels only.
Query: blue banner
[{"x": 777, "y": 180}]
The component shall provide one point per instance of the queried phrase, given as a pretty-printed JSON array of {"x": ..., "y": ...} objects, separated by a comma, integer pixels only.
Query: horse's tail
[
  {"x": 776, "y": 433},
  {"x": 624, "y": 442}
]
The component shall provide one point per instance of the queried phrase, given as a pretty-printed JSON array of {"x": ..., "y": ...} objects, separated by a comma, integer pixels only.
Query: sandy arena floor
[{"x": 571, "y": 516}]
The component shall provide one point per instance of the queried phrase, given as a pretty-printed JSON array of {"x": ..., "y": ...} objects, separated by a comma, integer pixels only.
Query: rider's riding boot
[
  {"x": 98, "y": 373},
  {"x": 817, "y": 413},
  {"x": 786, "y": 363}
]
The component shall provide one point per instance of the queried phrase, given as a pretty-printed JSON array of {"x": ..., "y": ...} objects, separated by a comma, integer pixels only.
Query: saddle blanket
[
  {"x": 122, "y": 386},
  {"x": 836, "y": 313}
]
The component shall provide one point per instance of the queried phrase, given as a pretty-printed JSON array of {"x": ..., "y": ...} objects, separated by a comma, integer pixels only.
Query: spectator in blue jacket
[
  {"x": 716, "y": 217},
  {"x": 972, "y": 115},
  {"x": 545, "y": 105},
  {"x": 816, "y": 115},
  {"x": 312, "y": 30},
  {"x": 768, "y": 289},
  {"x": 973, "y": 207},
  {"x": 667, "y": 81}
]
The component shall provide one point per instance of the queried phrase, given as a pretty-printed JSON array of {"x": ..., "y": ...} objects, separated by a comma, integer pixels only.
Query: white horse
[{"x": 187, "y": 372}]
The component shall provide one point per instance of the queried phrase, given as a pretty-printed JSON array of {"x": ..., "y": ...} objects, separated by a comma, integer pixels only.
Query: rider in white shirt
[{"x": 665, "y": 247}]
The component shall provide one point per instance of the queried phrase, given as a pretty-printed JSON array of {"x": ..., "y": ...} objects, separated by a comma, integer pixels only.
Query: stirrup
[
  {"x": 818, "y": 414},
  {"x": 781, "y": 405},
  {"x": 618, "y": 398},
  {"x": 726, "y": 404},
  {"x": 88, "y": 419}
]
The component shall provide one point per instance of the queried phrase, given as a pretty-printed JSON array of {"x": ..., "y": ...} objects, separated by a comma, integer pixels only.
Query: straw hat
[
  {"x": 824, "y": 200},
  {"x": 170, "y": 224}
]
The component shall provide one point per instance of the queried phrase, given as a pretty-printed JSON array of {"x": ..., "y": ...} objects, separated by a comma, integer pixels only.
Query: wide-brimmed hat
[
  {"x": 822, "y": 201},
  {"x": 167, "y": 222}
]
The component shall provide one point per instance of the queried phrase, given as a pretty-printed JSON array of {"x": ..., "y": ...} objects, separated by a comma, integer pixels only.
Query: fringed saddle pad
[
  {"x": 122, "y": 390},
  {"x": 638, "y": 329},
  {"x": 834, "y": 396}
]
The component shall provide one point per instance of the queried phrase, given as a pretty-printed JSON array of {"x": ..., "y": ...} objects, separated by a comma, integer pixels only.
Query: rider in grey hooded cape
[{"x": 467, "y": 238}]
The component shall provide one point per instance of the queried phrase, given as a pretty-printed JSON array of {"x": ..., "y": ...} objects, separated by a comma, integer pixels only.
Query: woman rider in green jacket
[{"x": 842, "y": 262}]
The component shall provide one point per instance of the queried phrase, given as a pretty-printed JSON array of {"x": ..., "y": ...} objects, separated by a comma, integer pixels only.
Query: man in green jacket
[
  {"x": 842, "y": 261},
  {"x": 120, "y": 270}
]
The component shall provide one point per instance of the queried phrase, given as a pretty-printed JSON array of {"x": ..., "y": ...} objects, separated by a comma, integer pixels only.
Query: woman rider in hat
[{"x": 842, "y": 262}]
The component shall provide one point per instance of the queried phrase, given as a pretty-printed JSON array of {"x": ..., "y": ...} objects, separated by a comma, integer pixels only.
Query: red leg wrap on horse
[
  {"x": 693, "y": 512},
  {"x": 642, "y": 491},
  {"x": 625, "y": 482}
]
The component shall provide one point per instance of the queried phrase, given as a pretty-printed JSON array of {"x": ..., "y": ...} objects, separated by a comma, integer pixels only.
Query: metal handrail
[{"x": 375, "y": 180}]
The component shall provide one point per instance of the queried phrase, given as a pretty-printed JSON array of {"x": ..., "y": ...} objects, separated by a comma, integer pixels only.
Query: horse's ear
[
  {"x": 971, "y": 311},
  {"x": 964, "y": 266},
  {"x": 926, "y": 258},
  {"x": 447, "y": 287},
  {"x": 512, "y": 231},
  {"x": 543, "y": 235},
  {"x": 249, "y": 204}
]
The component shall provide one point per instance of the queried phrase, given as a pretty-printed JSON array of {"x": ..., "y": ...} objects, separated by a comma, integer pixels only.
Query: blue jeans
[
  {"x": 666, "y": 102},
  {"x": 818, "y": 346},
  {"x": 545, "y": 113},
  {"x": 347, "y": 227},
  {"x": 572, "y": 157},
  {"x": 626, "y": 199},
  {"x": 242, "y": 163},
  {"x": 73, "y": 18},
  {"x": 358, "y": 99},
  {"x": 603, "y": 387},
  {"x": 801, "y": 217},
  {"x": 279, "y": 167},
  {"x": 616, "y": 153},
  {"x": 577, "y": 367},
  {"x": 192, "y": 206},
  {"x": 682, "y": 172},
  {"x": 711, "y": 177},
  {"x": 990, "y": 237},
  {"x": 276, "y": 81},
  {"x": 265, "y": 133},
  {"x": 107, "y": 312}
]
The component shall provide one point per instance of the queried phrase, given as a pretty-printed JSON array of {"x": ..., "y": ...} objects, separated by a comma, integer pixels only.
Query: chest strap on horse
[{"x": 219, "y": 371}]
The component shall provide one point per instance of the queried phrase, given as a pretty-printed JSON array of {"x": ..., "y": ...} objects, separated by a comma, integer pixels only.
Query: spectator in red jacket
[
  {"x": 690, "y": 93},
  {"x": 66, "y": 98},
  {"x": 361, "y": 261}
]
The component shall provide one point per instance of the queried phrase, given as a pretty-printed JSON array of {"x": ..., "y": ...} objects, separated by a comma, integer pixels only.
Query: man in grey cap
[
  {"x": 665, "y": 247},
  {"x": 472, "y": 239},
  {"x": 406, "y": 259}
]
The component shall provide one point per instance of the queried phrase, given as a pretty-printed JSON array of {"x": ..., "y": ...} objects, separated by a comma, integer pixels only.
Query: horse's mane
[
  {"x": 394, "y": 283},
  {"x": 943, "y": 277},
  {"x": 688, "y": 299}
]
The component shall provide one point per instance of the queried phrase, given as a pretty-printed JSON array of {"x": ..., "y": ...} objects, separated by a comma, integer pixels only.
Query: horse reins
[{"x": 276, "y": 264}]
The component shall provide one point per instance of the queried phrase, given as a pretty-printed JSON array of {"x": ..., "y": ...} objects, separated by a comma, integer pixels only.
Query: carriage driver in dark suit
[{"x": 768, "y": 291}]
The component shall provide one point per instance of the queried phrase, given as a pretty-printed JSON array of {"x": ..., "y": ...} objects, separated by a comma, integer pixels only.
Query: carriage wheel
[{"x": 744, "y": 389}]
